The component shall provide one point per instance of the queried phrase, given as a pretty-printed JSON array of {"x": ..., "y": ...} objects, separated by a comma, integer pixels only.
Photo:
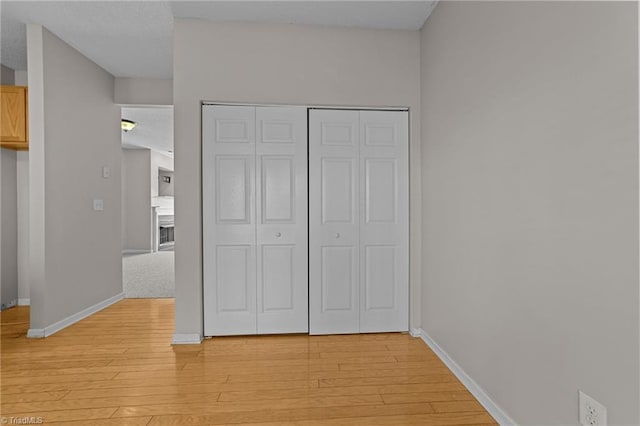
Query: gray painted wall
[
  {"x": 75, "y": 253},
  {"x": 7, "y": 76},
  {"x": 8, "y": 229},
  {"x": 158, "y": 161},
  {"x": 297, "y": 65},
  {"x": 8, "y": 215},
  {"x": 143, "y": 91},
  {"x": 165, "y": 189},
  {"x": 22, "y": 169},
  {"x": 530, "y": 191},
  {"x": 136, "y": 198}
]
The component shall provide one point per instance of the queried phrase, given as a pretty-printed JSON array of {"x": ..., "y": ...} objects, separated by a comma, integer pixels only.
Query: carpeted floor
[{"x": 148, "y": 275}]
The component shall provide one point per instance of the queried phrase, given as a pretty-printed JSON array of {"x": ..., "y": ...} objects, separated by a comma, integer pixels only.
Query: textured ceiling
[
  {"x": 154, "y": 129},
  {"x": 134, "y": 38}
]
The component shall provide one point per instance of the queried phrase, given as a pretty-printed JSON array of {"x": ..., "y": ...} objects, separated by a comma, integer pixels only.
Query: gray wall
[
  {"x": 143, "y": 91},
  {"x": 287, "y": 64},
  {"x": 7, "y": 76},
  {"x": 75, "y": 253},
  {"x": 22, "y": 169},
  {"x": 158, "y": 161},
  {"x": 8, "y": 229},
  {"x": 136, "y": 199},
  {"x": 8, "y": 215},
  {"x": 530, "y": 191},
  {"x": 165, "y": 189}
]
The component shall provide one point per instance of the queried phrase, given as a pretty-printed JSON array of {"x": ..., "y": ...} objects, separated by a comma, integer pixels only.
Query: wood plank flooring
[{"x": 117, "y": 367}]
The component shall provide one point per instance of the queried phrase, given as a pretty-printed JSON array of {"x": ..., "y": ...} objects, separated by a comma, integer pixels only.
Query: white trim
[
  {"x": 24, "y": 302},
  {"x": 136, "y": 251},
  {"x": 72, "y": 319},
  {"x": 494, "y": 410},
  {"x": 308, "y": 106},
  {"x": 186, "y": 339},
  {"x": 35, "y": 333}
]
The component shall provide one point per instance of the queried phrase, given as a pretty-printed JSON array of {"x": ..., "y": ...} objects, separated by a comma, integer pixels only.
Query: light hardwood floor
[{"x": 117, "y": 367}]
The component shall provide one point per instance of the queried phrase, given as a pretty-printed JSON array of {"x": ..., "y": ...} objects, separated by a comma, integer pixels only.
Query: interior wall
[
  {"x": 158, "y": 161},
  {"x": 165, "y": 189},
  {"x": 136, "y": 164},
  {"x": 530, "y": 202},
  {"x": 7, "y": 76},
  {"x": 75, "y": 253},
  {"x": 22, "y": 179},
  {"x": 22, "y": 170},
  {"x": 143, "y": 91},
  {"x": 8, "y": 229},
  {"x": 286, "y": 64},
  {"x": 8, "y": 215}
]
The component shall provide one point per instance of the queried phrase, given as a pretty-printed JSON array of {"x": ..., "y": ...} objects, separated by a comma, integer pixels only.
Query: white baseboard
[
  {"x": 186, "y": 339},
  {"x": 136, "y": 251},
  {"x": 494, "y": 410},
  {"x": 24, "y": 302},
  {"x": 72, "y": 319}
]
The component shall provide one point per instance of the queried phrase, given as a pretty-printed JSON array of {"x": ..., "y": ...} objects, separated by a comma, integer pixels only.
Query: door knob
[{"x": 278, "y": 234}]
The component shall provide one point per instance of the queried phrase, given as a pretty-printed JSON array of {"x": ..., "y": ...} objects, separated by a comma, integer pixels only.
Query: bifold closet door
[
  {"x": 254, "y": 220},
  {"x": 358, "y": 221}
]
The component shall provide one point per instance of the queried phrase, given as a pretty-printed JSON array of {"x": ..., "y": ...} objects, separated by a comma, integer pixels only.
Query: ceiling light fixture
[{"x": 127, "y": 125}]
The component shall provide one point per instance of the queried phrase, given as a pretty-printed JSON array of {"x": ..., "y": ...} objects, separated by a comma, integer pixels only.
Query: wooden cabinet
[{"x": 14, "y": 121}]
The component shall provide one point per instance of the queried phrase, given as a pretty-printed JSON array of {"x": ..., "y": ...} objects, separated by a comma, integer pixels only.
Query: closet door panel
[
  {"x": 333, "y": 221},
  {"x": 384, "y": 221},
  {"x": 282, "y": 220},
  {"x": 229, "y": 254}
]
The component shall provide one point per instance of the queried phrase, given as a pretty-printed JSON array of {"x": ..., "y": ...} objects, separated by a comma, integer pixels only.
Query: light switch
[
  {"x": 98, "y": 205},
  {"x": 106, "y": 172}
]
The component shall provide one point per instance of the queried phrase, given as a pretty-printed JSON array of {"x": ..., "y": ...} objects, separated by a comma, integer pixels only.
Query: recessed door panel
[
  {"x": 338, "y": 278},
  {"x": 278, "y": 189},
  {"x": 277, "y": 131},
  {"x": 234, "y": 265},
  {"x": 277, "y": 277},
  {"x": 338, "y": 133},
  {"x": 233, "y": 131},
  {"x": 381, "y": 201},
  {"x": 233, "y": 188},
  {"x": 338, "y": 190},
  {"x": 380, "y": 277},
  {"x": 379, "y": 134}
]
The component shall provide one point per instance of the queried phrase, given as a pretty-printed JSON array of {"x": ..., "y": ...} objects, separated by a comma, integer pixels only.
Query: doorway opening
[{"x": 148, "y": 203}]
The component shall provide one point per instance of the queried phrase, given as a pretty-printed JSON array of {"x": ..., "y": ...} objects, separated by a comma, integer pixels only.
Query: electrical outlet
[
  {"x": 98, "y": 205},
  {"x": 592, "y": 413}
]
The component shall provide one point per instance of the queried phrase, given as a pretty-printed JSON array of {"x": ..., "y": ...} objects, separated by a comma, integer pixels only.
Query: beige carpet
[{"x": 148, "y": 275}]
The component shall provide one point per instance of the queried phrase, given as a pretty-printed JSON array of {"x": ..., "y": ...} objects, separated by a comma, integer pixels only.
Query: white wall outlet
[
  {"x": 592, "y": 413},
  {"x": 98, "y": 205},
  {"x": 106, "y": 172}
]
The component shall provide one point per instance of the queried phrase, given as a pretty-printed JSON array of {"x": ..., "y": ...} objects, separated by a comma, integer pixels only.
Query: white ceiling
[
  {"x": 134, "y": 38},
  {"x": 154, "y": 129}
]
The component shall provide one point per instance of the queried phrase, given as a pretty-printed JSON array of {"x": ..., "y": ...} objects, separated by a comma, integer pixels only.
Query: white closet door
[
  {"x": 282, "y": 243},
  {"x": 333, "y": 222},
  {"x": 384, "y": 221},
  {"x": 229, "y": 226},
  {"x": 358, "y": 221}
]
